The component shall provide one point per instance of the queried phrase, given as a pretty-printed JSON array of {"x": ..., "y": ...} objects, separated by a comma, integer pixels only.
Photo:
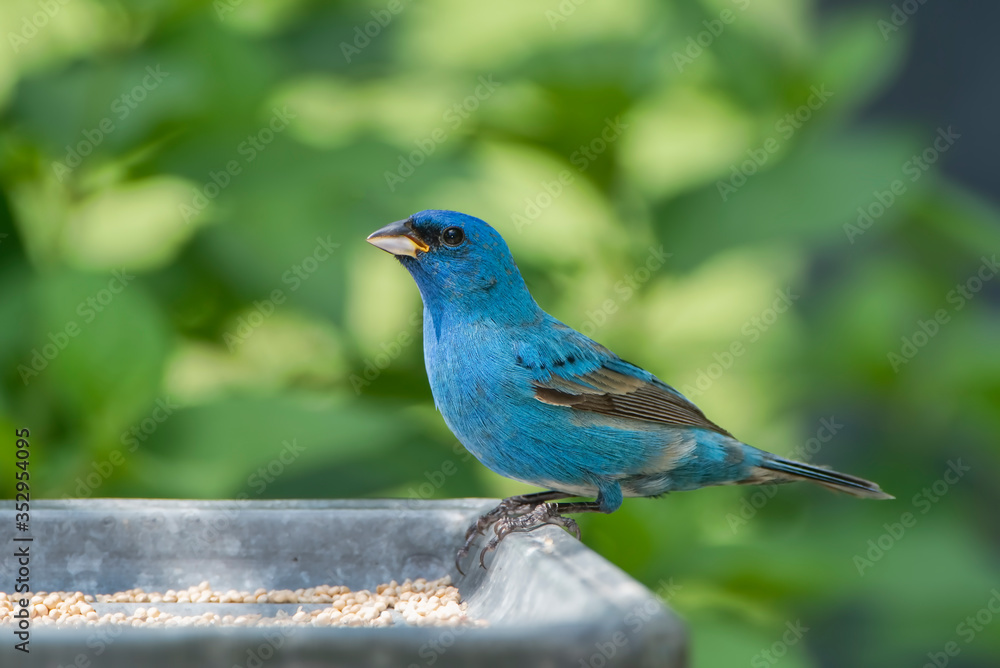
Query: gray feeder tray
[{"x": 547, "y": 599}]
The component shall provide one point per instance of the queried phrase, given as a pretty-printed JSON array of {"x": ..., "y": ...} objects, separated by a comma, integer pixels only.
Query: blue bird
[{"x": 537, "y": 401}]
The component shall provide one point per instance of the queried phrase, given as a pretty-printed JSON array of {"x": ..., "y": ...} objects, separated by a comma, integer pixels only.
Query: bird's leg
[
  {"x": 511, "y": 506},
  {"x": 546, "y": 513}
]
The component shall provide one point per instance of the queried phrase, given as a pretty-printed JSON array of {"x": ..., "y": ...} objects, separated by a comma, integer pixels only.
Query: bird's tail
[{"x": 779, "y": 469}]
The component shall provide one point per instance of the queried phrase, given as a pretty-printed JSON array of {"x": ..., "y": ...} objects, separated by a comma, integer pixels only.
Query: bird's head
[{"x": 456, "y": 259}]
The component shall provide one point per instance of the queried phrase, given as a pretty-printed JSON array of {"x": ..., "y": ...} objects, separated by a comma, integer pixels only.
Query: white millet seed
[{"x": 419, "y": 602}]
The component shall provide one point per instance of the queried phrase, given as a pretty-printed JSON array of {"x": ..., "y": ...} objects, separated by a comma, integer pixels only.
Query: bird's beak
[{"x": 399, "y": 239}]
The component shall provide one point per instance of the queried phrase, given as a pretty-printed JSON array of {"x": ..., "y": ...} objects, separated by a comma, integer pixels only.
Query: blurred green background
[{"x": 189, "y": 308}]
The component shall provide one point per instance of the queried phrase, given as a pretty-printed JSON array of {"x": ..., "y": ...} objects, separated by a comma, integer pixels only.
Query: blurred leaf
[{"x": 138, "y": 226}]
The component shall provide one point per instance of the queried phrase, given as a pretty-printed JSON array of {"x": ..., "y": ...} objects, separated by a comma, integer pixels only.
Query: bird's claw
[
  {"x": 511, "y": 505},
  {"x": 513, "y": 516}
]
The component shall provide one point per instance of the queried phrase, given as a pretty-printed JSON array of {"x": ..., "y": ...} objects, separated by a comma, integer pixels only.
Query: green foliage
[{"x": 238, "y": 152}]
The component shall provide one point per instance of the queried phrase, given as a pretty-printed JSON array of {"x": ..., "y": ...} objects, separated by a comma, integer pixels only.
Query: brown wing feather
[{"x": 615, "y": 394}]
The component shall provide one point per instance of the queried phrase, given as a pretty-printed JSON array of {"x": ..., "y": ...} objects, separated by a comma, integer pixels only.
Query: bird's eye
[{"x": 453, "y": 236}]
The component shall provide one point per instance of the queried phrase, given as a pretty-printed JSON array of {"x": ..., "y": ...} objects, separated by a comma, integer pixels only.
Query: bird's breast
[{"x": 480, "y": 392}]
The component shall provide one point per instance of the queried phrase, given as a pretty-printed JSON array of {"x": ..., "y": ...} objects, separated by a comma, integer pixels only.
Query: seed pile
[{"x": 417, "y": 602}]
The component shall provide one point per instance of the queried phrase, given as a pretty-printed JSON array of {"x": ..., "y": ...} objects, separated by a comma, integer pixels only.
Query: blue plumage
[{"x": 539, "y": 402}]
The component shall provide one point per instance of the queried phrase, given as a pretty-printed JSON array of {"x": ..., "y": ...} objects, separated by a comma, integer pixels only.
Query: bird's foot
[
  {"x": 546, "y": 513},
  {"x": 514, "y": 507}
]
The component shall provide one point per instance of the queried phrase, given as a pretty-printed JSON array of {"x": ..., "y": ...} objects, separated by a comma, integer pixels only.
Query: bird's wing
[{"x": 576, "y": 372}]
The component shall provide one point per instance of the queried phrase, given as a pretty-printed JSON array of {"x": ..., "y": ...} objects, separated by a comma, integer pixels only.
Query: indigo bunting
[{"x": 537, "y": 401}]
